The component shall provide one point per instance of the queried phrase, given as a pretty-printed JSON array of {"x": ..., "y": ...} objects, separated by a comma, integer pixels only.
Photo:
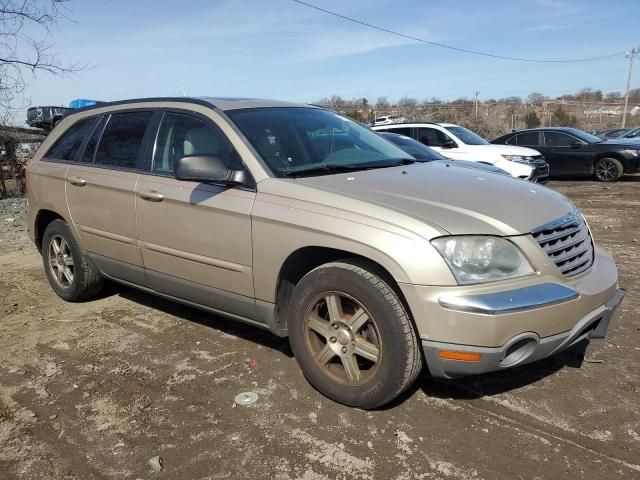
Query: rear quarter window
[{"x": 68, "y": 145}]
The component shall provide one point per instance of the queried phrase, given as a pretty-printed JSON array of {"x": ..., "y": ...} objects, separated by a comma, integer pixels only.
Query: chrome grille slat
[
  {"x": 581, "y": 236},
  {"x": 568, "y": 244},
  {"x": 546, "y": 238},
  {"x": 568, "y": 264},
  {"x": 571, "y": 253}
]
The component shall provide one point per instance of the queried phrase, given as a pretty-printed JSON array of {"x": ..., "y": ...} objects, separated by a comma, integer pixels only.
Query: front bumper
[
  {"x": 540, "y": 174},
  {"x": 544, "y": 313},
  {"x": 523, "y": 348}
]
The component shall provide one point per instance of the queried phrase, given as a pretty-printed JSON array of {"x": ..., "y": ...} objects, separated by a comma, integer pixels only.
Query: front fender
[{"x": 281, "y": 226}]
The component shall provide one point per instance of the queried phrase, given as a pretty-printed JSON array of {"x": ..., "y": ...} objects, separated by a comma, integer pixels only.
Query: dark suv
[{"x": 570, "y": 151}]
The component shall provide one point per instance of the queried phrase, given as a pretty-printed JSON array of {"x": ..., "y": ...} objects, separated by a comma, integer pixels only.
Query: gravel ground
[
  {"x": 13, "y": 225},
  {"x": 131, "y": 386}
]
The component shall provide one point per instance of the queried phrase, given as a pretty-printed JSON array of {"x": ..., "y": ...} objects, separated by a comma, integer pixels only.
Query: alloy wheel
[
  {"x": 606, "y": 170},
  {"x": 343, "y": 338},
  {"x": 61, "y": 261}
]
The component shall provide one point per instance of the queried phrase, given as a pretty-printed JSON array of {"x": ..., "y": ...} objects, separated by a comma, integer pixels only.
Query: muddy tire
[
  {"x": 352, "y": 336},
  {"x": 70, "y": 273},
  {"x": 608, "y": 170}
]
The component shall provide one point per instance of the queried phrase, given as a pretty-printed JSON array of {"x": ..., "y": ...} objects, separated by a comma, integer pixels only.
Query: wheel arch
[
  {"x": 614, "y": 155},
  {"x": 43, "y": 218},
  {"x": 305, "y": 259}
]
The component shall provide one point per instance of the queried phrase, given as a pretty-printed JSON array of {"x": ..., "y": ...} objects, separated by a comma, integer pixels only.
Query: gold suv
[{"x": 295, "y": 219}]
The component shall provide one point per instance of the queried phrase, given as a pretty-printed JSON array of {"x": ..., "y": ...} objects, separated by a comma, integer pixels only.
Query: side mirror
[
  {"x": 448, "y": 143},
  {"x": 207, "y": 169},
  {"x": 576, "y": 144}
]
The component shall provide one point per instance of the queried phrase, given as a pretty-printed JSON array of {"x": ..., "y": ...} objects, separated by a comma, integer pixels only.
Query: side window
[
  {"x": 182, "y": 135},
  {"x": 122, "y": 138},
  {"x": 92, "y": 143},
  {"x": 529, "y": 139},
  {"x": 400, "y": 131},
  {"x": 68, "y": 145},
  {"x": 557, "y": 139},
  {"x": 431, "y": 137}
]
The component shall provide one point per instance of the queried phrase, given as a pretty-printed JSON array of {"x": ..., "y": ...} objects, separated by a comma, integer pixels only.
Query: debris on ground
[
  {"x": 246, "y": 398},
  {"x": 156, "y": 463}
]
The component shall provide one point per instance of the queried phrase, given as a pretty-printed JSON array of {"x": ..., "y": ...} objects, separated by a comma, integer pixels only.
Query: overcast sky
[{"x": 280, "y": 49}]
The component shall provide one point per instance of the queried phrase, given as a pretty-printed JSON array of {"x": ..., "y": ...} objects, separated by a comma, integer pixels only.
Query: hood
[
  {"x": 512, "y": 150},
  {"x": 458, "y": 200}
]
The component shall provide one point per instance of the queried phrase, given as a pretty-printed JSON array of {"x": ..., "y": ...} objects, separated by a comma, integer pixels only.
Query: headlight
[
  {"x": 632, "y": 151},
  {"x": 518, "y": 158},
  {"x": 474, "y": 259}
]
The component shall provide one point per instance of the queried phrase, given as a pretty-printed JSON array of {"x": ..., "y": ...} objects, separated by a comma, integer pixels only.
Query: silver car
[{"x": 295, "y": 219}]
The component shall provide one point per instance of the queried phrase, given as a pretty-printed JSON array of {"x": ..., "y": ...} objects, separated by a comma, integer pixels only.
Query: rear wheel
[
  {"x": 352, "y": 336},
  {"x": 608, "y": 170},
  {"x": 70, "y": 274}
]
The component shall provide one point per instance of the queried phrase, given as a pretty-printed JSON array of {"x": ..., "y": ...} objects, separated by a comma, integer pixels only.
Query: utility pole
[
  {"x": 477, "y": 93},
  {"x": 630, "y": 55}
]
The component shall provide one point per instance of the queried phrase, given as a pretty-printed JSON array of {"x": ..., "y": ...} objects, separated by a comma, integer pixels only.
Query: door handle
[
  {"x": 150, "y": 195},
  {"x": 77, "y": 181}
]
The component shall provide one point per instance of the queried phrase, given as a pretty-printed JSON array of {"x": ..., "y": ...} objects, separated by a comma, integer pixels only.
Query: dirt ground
[{"x": 96, "y": 390}]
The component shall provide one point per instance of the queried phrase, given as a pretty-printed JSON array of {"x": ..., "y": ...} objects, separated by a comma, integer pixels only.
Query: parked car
[
  {"x": 632, "y": 134},
  {"x": 459, "y": 143},
  {"x": 570, "y": 151},
  {"x": 423, "y": 153},
  {"x": 612, "y": 133},
  {"x": 388, "y": 120},
  {"x": 46, "y": 118},
  {"x": 297, "y": 220}
]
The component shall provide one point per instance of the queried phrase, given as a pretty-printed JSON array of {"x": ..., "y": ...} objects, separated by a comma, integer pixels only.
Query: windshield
[
  {"x": 293, "y": 140},
  {"x": 413, "y": 147},
  {"x": 467, "y": 136}
]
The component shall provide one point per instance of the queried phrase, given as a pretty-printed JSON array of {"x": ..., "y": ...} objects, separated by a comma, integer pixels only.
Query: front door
[
  {"x": 437, "y": 139},
  {"x": 566, "y": 154},
  {"x": 196, "y": 238},
  {"x": 101, "y": 191}
]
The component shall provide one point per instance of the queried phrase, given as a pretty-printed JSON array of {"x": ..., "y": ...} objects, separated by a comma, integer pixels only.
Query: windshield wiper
[
  {"x": 339, "y": 168},
  {"x": 328, "y": 168}
]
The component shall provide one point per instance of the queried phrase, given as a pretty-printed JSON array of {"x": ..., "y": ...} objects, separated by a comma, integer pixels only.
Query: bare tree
[
  {"x": 25, "y": 48},
  {"x": 382, "y": 104},
  {"x": 536, "y": 98}
]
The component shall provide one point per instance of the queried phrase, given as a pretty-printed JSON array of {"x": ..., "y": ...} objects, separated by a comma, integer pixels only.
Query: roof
[
  {"x": 542, "y": 129},
  {"x": 236, "y": 103},
  {"x": 413, "y": 124},
  {"x": 223, "y": 103}
]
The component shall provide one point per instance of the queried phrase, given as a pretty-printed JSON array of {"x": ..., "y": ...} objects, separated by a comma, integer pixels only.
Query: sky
[{"x": 283, "y": 50}]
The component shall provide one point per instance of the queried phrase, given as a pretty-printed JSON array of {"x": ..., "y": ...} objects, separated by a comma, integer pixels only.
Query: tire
[
  {"x": 364, "y": 353},
  {"x": 608, "y": 170},
  {"x": 71, "y": 276}
]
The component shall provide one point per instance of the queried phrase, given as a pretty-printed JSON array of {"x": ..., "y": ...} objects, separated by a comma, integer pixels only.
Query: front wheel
[
  {"x": 608, "y": 170},
  {"x": 352, "y": 336}
]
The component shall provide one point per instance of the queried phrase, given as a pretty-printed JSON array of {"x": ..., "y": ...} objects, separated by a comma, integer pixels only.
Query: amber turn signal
[{"x": 464, "y": 356}]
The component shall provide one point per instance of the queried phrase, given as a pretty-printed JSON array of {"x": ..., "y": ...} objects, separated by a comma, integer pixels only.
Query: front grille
[{"x": 568, "y": 243}]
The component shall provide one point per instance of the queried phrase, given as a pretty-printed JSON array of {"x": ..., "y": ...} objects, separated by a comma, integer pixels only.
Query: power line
[{"x": 449, "y": 47}]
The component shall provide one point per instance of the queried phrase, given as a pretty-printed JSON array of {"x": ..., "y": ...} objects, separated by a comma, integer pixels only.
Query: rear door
[
  {"x": 47, "y": 177},
  {"x": 101, "y": 192},
  {"x": 406, "y": 131},
  {"x": 196, "y": 237}
]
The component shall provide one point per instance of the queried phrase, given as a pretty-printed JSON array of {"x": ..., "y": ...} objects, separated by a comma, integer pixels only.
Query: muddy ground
[{"x": 96, "y": 390}]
